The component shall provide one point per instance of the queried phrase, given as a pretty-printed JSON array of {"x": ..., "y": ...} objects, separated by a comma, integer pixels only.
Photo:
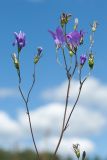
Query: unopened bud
[
  {"x": 40, "y": 49},
  {"x": 83, "y": 59},
  {"x": 64, "y": 19},
  {"x": 71, "y": 53},
  {"x": 72, "y": 49},
  {"x": 76, "y": 150},
  {"x": 76, "y": 23},
  {"x": 94, "y": 26},
  {"x": 91, "y": 60},
  {"x": 84, "y": 155},
  {"x": 39, "y": 54}
]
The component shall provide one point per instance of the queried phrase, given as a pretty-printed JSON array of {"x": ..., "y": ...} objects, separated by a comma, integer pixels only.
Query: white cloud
[
  {"x": 10, "y": 130},
  {"x": 49, "y": 118},
  {"x": 66, "y": 145},
  {"x": 7, "y": 125},
  {"x": 8, "y": 92},
  {"x": 94, "y": 93},
  {"x": 47, "y": 121}
]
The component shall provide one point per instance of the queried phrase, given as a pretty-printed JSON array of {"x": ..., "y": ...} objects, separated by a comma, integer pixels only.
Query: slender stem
[
  {"x": 76, "y": 64},
  {"x": 65, "y": 29},
  {"x": 66, "y": 125},
  {"x": 33, "y": 82},
  {"x": 66, "y": 67},
  {"x": 26, "y": 100},
  {"x": 28, "y": 113},
  {"x": 64, "y": 118},
  {"x": 66, "y": 104},
  {"x": 80, "y": 88}
]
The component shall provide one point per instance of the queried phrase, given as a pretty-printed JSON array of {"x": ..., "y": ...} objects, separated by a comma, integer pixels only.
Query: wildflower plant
[
  {"x": 68, "y": 43},
  {"x": 20, "y": 42}
]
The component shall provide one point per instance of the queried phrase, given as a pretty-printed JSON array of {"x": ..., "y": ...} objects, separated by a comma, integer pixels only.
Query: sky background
[{"x": 89, "y": 121}]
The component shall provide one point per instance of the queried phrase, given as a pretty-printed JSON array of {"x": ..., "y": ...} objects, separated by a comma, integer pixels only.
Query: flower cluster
[
  {"x": 74, "y": 39},
  {"x": 58, "y": 37},
  {"x": 70, "y": 42}
]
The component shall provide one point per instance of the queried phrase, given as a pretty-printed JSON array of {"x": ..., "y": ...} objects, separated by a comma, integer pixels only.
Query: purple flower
[
  {"x": 75, "y": 38},
  {"x": 82, "y": 59},
  {"x": 58, "y": 37},
  {"x": 20, "y": 40}
]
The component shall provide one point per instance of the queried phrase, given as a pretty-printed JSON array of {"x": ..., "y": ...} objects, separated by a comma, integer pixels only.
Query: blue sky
[{"x": 35, "y": 18}]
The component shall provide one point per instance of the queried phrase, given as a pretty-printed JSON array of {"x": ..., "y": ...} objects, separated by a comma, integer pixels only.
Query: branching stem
[
  {"x": 69, "y": 77},
  {"x": 26, "y": 100}
]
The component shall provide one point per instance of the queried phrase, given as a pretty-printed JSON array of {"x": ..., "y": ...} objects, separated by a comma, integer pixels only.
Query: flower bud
[
  {"x": 64, "y": 19},
  {"x": 76, "y": 23},
  {"x": 70, "y": 48},
  {"x": 71, "y": 53},
  {"x": 76, "y": 150},
  {"x": 82, "y": 59},
  {"x": 38, "y": 56},
  {"x": 94, "y": 26},
  {"x": 40, "y": 49},
  {"x": 81, "y": 37},
  {"x": 91, "y": 60},
  {"x": 15, "y": 60},
  {"x": 84, "y": 155}
]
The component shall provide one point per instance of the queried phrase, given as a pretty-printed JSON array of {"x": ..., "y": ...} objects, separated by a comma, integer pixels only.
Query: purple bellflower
[
  {"x": 20, "y": 40},
  {"x": 58, "y": 37},
  {"x": 82, "y": 59},
  {"x": 75, "y": 38}
]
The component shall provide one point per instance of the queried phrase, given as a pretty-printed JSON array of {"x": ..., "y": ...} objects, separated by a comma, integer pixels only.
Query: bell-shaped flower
[
  {"x": 20, "y": 40},
  {"x": 58, "y": 37},
  {"x": 75, "y": 38}
]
